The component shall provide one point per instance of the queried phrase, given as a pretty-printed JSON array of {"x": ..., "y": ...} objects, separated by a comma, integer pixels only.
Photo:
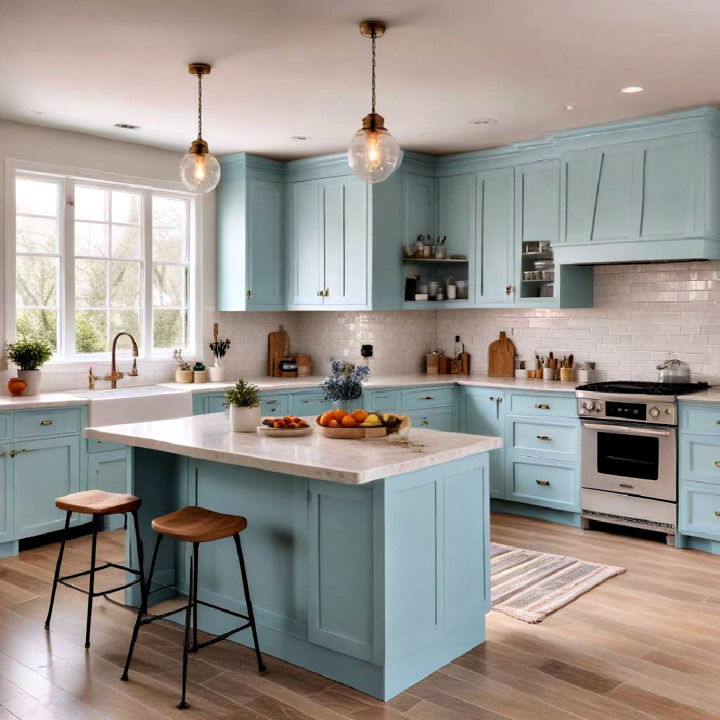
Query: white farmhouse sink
[{"x": 135, "y": 404}]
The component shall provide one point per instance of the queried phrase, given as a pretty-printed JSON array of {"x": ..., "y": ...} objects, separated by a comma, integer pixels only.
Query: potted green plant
[
  {"x": 219, "y": 349},
  {"x": 184, "y": 371},
  {"x": 243, "y": 399},
  {"x": 29, "y": 356},
  {"x": 199, "y": 372}
]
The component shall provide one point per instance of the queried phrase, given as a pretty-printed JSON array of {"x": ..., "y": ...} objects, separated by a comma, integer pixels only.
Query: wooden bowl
[{"x": 345, "y": 433}]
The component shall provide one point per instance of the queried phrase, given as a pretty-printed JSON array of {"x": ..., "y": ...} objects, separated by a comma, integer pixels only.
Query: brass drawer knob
[
  {"x": 541, "y": 406},
  {"x": 717, "y": 463},
  {"x": 544, "y": 483},
  {"x": 717, "y": 512},
  {"x": 543, "y": 437},
  {"x": 46, "y": 422}
]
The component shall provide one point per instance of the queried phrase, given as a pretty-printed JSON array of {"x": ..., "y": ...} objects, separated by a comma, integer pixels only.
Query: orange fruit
[
  {"x": 334, "y": 423},
  {"x": 339, "y": 414},
  {"x": 360, "y": 416},
  {"x": 326, "y": 417},
  {"x": 348, "y": 421}
]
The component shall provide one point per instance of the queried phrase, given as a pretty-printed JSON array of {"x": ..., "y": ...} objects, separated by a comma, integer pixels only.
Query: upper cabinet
[{"x": 250, "y": 234}]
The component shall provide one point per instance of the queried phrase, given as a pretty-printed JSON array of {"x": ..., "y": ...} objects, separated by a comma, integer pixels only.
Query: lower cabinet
[
  {"x": 381, "y": 400},
  {"x": 6, "y": 494},
  {"x": 699, "y": 510},
  {"x": 432, "y": 418},
  {"x": 309, "y": 403},
  {"x": 42, "y": 471},
  {"x": 108, "y": 471},
  {"x": 546, "y": 483},
  {"x": 482, "y": 412}
]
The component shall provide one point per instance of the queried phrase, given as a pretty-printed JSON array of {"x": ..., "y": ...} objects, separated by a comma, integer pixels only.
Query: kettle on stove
[{"x": 673, "y": 370}]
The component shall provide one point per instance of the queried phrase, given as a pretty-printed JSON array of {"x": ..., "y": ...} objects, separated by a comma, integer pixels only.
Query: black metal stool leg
[
  {"x": 192, "y": 604},
  {"x": 196, "y": 564},
  {"x": 251, "y": 616},
  {"x": 91, "y": 587},
  {"x": 141, "y": 559},
  {"x": 142, "y": 609},
  {"x": 68, "y": 515}
]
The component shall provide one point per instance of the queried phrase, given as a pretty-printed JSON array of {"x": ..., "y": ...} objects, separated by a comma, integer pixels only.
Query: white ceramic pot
[
  {"x": 216, "y": 373},
  {"x": 244, "y": 419},
  {"x": 183, "y": 376},
  {"x": 33, "y": 378},
  {"x": 200, "y": 376}
]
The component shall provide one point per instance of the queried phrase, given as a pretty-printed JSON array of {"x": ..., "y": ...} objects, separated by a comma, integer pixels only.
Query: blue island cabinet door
[
  {"x": 42, "y": 471},
  {"x": 6, "y": 494},
  {"x": 341, "y": 568},
  {"x": 264, "y": 229},
  {"x": 485, "y": 415},
  {"x": 346, "y": 242},
  {"x": 306, "y": 269}
]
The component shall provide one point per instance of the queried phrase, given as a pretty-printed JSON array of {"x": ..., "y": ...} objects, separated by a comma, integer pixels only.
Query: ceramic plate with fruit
[
  {"x": 360, "y": 424},
  {"x": 288, "y": 426}
]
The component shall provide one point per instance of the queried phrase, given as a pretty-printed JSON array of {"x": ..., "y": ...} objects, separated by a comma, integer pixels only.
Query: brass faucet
[{"x": 115, "y": 374}]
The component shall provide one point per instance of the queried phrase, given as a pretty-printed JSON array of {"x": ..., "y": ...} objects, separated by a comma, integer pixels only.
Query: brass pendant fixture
[
  {"x": 199, "y": 169},
  {"x": 374, "y": 154}
]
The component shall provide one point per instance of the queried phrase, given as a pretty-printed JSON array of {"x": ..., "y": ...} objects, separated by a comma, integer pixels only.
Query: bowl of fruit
[
  {"x": 287, "y": 426},
  {"x": 340, "y": 424}
]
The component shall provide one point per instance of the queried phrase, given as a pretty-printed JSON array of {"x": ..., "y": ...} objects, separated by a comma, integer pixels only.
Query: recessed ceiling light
[
  {"x": 300, "y": 137},
  {"x": 126, "y": 126},
  {"x": 483, "y": 121},
  {"x": 631, "y": 89},
  {"x": 569, "y": 107}
]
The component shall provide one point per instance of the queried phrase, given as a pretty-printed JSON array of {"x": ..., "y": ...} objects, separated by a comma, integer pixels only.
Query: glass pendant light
[
  {"x": 199, "y": 169},
  {"x": 374, "y": 154}
]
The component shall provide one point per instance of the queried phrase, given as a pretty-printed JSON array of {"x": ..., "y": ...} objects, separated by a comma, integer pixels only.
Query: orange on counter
[
  {"x": 348, "y": 421},
  {"x": 333, "y": 423},
  {"x": 339, "y": 414},
  {"x": 360, "y": 416},
  {"x": 326, "y": 417}
]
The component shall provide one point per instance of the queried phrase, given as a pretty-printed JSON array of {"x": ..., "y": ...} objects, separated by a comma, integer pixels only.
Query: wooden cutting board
[
  {"x": 501, "y": 357},
  {"x": 278, "y": 348}
]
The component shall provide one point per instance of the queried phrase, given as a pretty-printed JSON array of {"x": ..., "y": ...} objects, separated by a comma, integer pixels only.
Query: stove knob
[
  {"x": 582, "y": 411},
  {"x": 654, "y": 412},
  {"x": 588, "y": 404}
]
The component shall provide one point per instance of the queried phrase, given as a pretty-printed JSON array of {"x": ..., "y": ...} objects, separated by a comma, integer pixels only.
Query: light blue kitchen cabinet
[
  {"x": 419, "y": 203},
  {"x": 537, "y": 202},
  {"x": 43, "y": 470},
  {"x": 328, "y": 258},
  {"x": 699, "y": 511},
  {"x": 309, "y": 402},
  {"x": 549, "y": 484},
  {"x": 385, "y": 400},
  {"x": 483, "y": 413},
  {"x": 437, "y": 418},
  {"x": 250, "y": 254},
  {"x": 108, "y": 471},
  {"x": 306, "y": 251},
  {"x": 6, "y": 494},
  {"x": 494, "y": 213}
]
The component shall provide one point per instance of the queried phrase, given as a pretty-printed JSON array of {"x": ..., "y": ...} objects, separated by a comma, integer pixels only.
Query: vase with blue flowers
[{"x": 344, "y": 383}]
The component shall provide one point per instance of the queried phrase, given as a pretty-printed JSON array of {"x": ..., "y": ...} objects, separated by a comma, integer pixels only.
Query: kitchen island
[{"x": 368, "y": 560}]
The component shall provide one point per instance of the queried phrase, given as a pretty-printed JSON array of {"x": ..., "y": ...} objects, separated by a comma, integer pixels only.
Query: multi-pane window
[{"x": 94, "y": 259}]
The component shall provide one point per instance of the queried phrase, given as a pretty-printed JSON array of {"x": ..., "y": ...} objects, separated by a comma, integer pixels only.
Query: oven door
[{"x": 630, "y": 459}]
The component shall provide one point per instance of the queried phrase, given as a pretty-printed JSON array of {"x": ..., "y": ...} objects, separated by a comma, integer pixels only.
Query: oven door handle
[{"x": 627, "y": 430}]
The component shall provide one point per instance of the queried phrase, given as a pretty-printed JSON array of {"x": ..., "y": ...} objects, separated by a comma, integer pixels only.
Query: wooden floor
[{"x": 643, "y": 645}]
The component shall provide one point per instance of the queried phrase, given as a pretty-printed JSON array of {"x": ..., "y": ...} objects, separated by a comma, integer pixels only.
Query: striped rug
[{"x": 529, "y": 585}]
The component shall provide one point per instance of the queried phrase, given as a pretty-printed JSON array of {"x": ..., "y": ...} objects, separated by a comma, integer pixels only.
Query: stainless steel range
[{"x": 629, "y": 453}]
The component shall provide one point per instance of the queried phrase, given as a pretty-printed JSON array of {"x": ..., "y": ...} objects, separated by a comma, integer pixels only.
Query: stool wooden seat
[
  {"x": 98, "y": 502},
  {"x": 197, "y": 525}
]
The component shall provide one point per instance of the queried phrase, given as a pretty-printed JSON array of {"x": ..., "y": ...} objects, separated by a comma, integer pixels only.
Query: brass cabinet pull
[
  {"x": 424, "y": 422},
  {"x": 717, "y": 463},
  {"x": 717, "y": 512},
  {"x": 46, "y": 422},
  {"x": 320, "y": 293},
  {"x": 249, "y": 293},
  {"x": 543, "y": 437},
  {"x": 543, "y": 482},
  {"x": 327, "y": 292},
  {"x": 427, "y": 397},
  {"x": 541, "y": 406},
  {"x": 508, "y": 289},
  {"x": 272, "y": 402},
  {"x": 12, "y": 453},
  {"x": 306, "y": 401}
]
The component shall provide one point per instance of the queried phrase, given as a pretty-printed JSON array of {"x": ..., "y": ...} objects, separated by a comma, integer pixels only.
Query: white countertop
[
  {"x": 383, "y": 381},
  {"x": 711, "y": 395},
  {"x": 208, "y": 437},
  {"x": 44, "y": 400}
]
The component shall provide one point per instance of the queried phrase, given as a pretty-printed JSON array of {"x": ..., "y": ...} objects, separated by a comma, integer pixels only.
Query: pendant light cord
[
  {"x": 373, "y": 72},
  {"x": 199, "y": 77}
]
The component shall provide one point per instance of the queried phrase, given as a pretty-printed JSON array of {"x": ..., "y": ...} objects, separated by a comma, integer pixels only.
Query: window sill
[{"x": 76, "y": 364}]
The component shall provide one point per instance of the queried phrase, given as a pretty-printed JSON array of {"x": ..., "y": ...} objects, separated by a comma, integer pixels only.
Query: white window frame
[{"x": 66, "y": 358}]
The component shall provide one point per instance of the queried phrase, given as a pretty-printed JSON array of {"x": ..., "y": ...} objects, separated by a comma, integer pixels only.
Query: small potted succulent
[
  {"x": 219, "y": 349},
  {"x": 184, "y": 371},
  {"x": 344, "y": 383},
  {"x": 29, "y": 356},
  {"x": 243, "y": 399},
  {"x": 199, "y": 373}
]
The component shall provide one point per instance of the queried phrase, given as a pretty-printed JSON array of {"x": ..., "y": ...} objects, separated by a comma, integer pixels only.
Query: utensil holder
[{"x": 567, "y": 374}]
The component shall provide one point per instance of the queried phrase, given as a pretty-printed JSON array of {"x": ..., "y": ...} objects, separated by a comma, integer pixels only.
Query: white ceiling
[{"x": 301, "y": 67}]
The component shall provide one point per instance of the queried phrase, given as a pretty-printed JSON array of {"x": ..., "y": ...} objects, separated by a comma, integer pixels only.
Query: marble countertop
[
  {"x": 43, "y": 400},
  {"x": 711, "y": 395},
  {"x": 383, "y": 381},
  {"x": 353, "y": 462}
]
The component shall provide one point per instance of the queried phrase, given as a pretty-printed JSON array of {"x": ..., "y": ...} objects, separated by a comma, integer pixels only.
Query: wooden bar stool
[
  {"x": 97, "y": 503},
  {"x": 196, "y": 525}
]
